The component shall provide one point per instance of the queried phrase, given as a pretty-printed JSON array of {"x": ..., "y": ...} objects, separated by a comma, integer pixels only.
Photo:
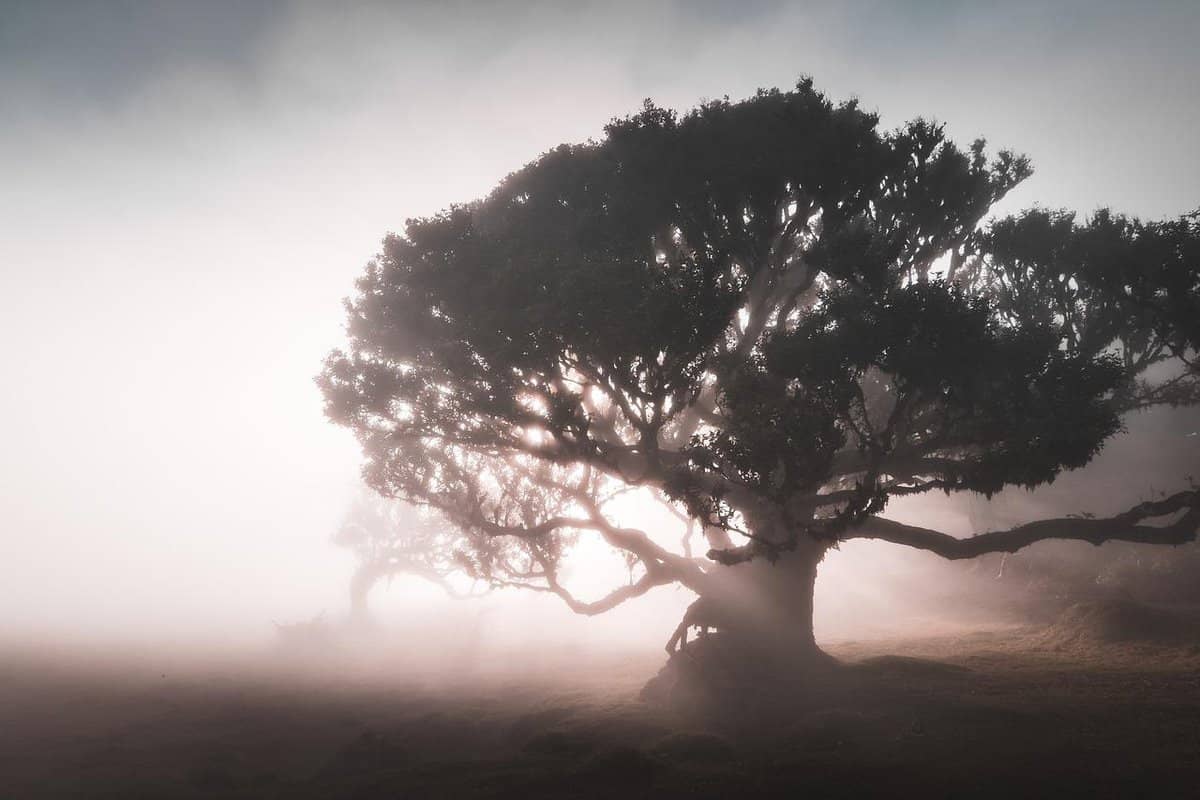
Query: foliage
[{"x": 771, "y": 313}]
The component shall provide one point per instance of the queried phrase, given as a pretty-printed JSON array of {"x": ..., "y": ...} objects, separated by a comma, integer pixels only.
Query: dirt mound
[
  {"x": 1123, "y": 621},
  {"x": 721, "y": 675}
]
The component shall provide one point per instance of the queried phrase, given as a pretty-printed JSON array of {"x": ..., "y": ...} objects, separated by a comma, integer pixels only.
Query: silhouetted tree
[
  {"x": 774, "y": 316},
  {"x": 392, "y": 538}
]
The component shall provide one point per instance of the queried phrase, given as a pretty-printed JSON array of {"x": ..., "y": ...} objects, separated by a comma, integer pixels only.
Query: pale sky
[{"x": 187, "y": 191}]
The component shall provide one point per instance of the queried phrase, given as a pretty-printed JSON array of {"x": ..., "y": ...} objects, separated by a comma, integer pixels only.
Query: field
[{"x": 1008, "y": 712}]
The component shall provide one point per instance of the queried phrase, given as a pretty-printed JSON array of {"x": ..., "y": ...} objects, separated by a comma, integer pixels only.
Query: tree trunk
[
  {"x": 768, "y": 607},
  {"x": 361, "y": 583},
  {"x": 761, "y": 646}
]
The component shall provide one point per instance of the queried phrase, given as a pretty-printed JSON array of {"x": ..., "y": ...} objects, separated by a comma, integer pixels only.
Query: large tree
[{"x": 774, "y": 316}]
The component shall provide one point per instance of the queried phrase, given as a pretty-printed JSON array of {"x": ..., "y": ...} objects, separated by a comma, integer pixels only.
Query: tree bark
[
  {"x": 762, "y": 646},
  {"x": 764, "y": 608}
]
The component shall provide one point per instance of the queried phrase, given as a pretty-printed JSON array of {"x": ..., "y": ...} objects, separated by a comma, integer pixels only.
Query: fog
[{"x": 190, "y": 189}]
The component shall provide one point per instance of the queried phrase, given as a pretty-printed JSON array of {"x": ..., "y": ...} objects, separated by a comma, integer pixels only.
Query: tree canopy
[{"x": 773, "y": 315}]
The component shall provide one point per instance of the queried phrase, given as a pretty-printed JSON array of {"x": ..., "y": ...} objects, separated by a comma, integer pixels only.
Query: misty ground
[{"x": 1084, "y": 707}]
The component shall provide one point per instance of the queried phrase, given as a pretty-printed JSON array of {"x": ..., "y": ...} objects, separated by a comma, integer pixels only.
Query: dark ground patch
[{"x": 1008, "y": 714}]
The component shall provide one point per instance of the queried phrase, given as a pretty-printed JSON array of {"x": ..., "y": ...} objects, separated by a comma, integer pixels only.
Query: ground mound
[
  {"x": 722, "y": 676},
  {"x": 728, "y": 688},
  {"x": 1123, "y": 621}
]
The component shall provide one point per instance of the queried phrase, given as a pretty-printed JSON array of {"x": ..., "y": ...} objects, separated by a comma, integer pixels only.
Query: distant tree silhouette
[
  {"x": 773, "y": 316},
  {"x": 392, "y": 539}
]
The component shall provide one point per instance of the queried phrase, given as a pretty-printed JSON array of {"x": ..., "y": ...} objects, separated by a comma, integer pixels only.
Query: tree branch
[
  {"x": 1123, "y": 527},
  {"x": 611, "y": 600}
]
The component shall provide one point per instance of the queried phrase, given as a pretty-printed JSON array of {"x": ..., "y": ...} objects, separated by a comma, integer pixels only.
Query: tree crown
[{"x": 771, "y": 313}]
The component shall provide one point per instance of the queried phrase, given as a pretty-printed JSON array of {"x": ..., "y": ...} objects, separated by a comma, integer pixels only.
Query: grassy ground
[{"x": 1009, "y": 713}]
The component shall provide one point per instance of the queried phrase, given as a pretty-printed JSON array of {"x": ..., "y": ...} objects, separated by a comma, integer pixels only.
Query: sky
[{"x": 188, "y": 190}]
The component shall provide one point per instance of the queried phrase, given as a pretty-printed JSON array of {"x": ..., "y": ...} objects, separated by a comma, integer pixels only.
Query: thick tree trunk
[
  {"x": 776, "y": 600},
  {"x": 768, "y": 607},
  {"x": 761, "y": 641}
]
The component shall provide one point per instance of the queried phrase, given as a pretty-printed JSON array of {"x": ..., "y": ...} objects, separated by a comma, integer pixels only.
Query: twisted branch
[{"x": 1122, "y": 527}]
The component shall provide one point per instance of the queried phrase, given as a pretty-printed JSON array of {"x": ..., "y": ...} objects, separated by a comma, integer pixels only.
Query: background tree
[
  {"x": 773, "y": 316},
  {"x": 394, "y": 539}
]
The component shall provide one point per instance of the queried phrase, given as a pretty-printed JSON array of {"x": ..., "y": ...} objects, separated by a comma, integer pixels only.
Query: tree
[
  {"x": 391, "y": 539},
  {"x": 774, "y": 317}
]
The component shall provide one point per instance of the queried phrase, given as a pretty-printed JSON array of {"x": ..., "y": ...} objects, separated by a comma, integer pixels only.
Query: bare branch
[
  {"x": 611, "y": 600},
  {"x": 1122, "y": 527}
]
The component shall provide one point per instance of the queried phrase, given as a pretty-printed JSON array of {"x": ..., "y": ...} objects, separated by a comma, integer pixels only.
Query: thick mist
[
  {"x": 189, "y": 189},
  {"x": 188, "y": 194}
]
